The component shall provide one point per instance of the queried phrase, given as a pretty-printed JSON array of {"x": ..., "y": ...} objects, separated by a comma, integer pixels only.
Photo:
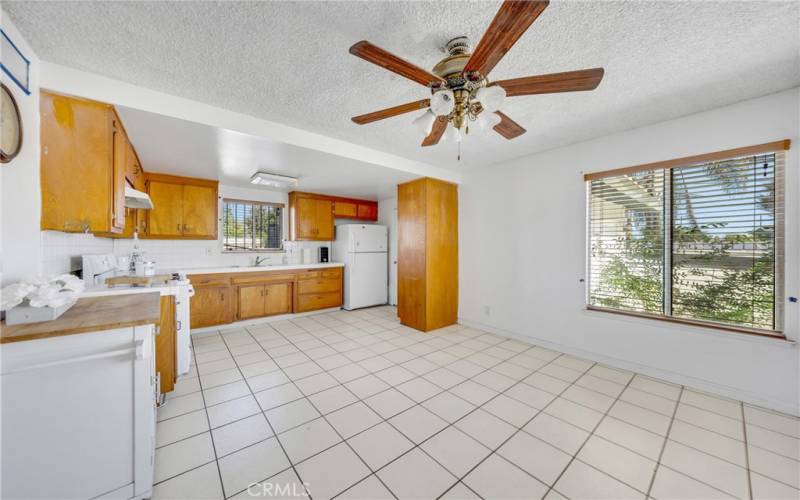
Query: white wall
[
  {"x": 20, "y": 207},
  {"x": 62, "y": 251},
  {"x": 387, "y": 216},
  {"x": 522, "y": 254}
]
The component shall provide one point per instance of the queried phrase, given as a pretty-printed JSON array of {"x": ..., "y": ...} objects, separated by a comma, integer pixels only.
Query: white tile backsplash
[{"x": 62, "y": 252}]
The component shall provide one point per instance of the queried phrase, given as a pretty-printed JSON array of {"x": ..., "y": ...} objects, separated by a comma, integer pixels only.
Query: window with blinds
[
  {"x": 700, "y": 242},
  {"x": 251, "y": 226}
]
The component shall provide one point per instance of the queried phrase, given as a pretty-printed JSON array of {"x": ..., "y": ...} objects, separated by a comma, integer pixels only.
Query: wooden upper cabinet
[
  {"x": 183, "y": 207},
  {"x": 166, "y": 218},
  {"x": 368, "y": 211},
  {"x": 77, "y": 166},
  {"x": 346, "y": 209},
  {"x": 199, "y": 211},
  {"x": 134, "y": 172},
  {"x": 324, "y": 220},
  {"x": 311, "y": 215}
]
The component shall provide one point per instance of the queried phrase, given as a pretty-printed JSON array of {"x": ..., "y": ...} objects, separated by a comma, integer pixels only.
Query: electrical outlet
[
  {"x": 208, "y": 251},
  {"x": 487, "y": 310}
]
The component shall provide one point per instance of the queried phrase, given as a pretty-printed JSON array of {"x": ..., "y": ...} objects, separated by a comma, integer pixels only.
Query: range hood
[{"x": 137, "y": 199}]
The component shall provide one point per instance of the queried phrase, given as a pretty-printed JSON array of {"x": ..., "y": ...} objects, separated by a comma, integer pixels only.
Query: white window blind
[
  {"x": 701, "y": 242},
  {"x": 251, "y": 226}
]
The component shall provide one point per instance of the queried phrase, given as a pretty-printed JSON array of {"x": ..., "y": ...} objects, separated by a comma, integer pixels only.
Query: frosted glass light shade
[
  {"x": 442, "y": 102},
  {"x": 424, "y": 122},
  {"x": 491, "y": 97},
  {"x": 486, "y": 120},
  {"x": 452, "y": 134}
]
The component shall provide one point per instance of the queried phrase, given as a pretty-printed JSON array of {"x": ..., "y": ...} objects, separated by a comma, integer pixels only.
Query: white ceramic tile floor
[{"x": 354, "y": 405}]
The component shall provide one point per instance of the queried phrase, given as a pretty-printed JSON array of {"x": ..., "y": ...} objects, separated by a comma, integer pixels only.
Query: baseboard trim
[
  {"x": 669, "y": 376},
  {"x": 260, "y": 321}
]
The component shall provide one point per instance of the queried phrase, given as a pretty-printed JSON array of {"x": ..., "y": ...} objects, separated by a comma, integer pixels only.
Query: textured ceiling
[{"x": 288, "y": 62}]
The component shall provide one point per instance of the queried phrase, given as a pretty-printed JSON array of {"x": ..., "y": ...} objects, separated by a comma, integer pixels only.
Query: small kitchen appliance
[{"x": 324, "y": 254}]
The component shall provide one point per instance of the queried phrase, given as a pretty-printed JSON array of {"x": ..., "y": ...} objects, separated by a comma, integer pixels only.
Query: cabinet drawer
[
  {"x": 315, "y": 274},
  {"x": 314, "y": 301},
  {"x": 319, "y": 285},
  {"x": 209, "y": 280},
  {"x": 248, "y": 278}
]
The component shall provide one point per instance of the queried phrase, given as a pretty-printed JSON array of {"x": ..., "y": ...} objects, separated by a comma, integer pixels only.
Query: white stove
[{"x": 96, "y": 268}]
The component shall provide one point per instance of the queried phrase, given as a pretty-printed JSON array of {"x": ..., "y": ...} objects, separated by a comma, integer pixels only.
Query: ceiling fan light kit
[{"x": 460, "y": 90}]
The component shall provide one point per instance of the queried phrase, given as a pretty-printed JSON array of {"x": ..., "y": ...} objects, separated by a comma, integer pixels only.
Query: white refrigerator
[{"x": 364, "y": 250}]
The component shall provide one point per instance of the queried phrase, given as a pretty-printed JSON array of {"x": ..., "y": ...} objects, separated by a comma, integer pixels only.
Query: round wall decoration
[{"x": 10, "y": 126}]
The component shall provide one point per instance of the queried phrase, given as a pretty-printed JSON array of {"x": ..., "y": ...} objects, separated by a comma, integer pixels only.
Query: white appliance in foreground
[
  {"x": 363, "y": 249},
  {"x": 79, "y": 417}
]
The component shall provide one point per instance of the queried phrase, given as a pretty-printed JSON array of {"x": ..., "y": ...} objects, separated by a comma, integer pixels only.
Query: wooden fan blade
[
  {"x": 390, "y": 112},
  {"x": 510, "y": 22},
  {"x": 507, "y": 127},
  {"x": 387, "y": 60},
  {"x": 437, "y": 131},
  {"x": 571, "y": 81}
]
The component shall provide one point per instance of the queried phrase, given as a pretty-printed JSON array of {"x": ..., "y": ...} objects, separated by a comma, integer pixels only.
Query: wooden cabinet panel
[
  {"x": 199, "y": 211},
  {"x": 120, "y": 165},
  {"x": 77, "y": 164},
  {"x": 324, "y": 220},
  {"x": 166, "y": 350},
  {"x": 314, "y": 301},
  {"x": 134, "y": 172},
  {"x": 368, "y": 211},
  {"x": 279, "y": 298},
  {"x": 311, "y": 216},
  {"x": 319, "y": 285},
  {"x": 210, "y": 306},
  {"x": 251, "y": 301},
  {"x": 166, "y": 218},
  {"x": 304, "y": 219},
  {"x": 427, "y": 215},
  {"x": 183, "y": 207},
  {"x": 346, "y": 209}
]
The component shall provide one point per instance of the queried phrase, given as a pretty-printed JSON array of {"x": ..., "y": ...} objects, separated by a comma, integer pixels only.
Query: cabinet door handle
[{"x": 179, "y": 227}]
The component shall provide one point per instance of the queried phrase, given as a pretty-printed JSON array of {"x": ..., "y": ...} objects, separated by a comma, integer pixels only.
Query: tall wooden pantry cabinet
[{"x": 427, "y": 267}]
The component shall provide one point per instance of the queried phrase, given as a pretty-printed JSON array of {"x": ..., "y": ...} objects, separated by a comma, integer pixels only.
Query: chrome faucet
[{"x": 259, "y": 260}]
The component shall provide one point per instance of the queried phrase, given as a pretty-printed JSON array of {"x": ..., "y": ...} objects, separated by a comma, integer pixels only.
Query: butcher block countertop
[{"x": 91, "y": 314}]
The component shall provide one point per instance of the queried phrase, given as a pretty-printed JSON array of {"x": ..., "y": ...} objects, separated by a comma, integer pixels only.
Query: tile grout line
[
  {"x": 274, "y": 434},
  {"x": 210, "y": 437},
  {"x": 664, "y": 444},
  {"x": 513, "y": 354},
  {"x": 746, "y": 454},
  {"x": 416, "y": 446},
  {"x": 323, "y": 416},
  {"x": 592, "y": 433}
]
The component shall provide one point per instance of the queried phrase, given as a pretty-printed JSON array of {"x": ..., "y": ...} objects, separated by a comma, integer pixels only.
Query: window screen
[
  {"x": 250, "y": 226},
  {"x": 700, "y": 242}
]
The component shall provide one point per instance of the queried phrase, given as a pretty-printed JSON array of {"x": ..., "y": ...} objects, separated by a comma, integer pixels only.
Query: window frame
[
  {"x": 778, "y": 148},
  {"x": 279, "y": 205}
]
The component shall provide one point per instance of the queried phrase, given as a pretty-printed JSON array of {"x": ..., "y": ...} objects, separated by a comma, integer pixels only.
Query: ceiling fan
[{"x": 460, "y": 90}]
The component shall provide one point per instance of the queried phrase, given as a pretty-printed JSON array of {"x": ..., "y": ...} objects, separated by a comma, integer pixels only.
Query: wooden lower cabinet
[
  {"x": 256, "y": 301},
  {"x": 211, "y": 305},
  {"x": 278, "y": 299},
  {"x": 166, "y": 350},
  {"x": 223, "y": 298}
]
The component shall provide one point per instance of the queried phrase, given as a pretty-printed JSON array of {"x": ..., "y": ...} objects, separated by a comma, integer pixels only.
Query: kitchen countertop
[
  {"x": 251, "y": 269},
  {"x": 91, "y": 314},
  {"x": 172, "y": 289},
  {"x": 103, "y": 290}
]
